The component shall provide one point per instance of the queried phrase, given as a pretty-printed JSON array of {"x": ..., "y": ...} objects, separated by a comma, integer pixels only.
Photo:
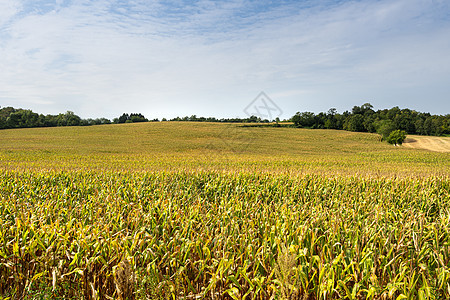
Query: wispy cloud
[
  {"x": 8, "y": 9},
  {"x": 101, "y": 58}
]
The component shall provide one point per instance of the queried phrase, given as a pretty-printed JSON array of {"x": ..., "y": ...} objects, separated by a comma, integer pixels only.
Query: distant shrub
[{"x": 396, "y": 137}]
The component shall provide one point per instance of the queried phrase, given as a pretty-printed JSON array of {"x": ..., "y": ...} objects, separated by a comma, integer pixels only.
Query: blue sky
[{"x": 212, "y": 58}]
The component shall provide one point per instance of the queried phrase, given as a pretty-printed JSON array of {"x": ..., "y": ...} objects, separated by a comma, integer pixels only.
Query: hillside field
[
  {"x": 211, "y": 146},
  {"x": 431, "y": 143},
  {"x": 185, "y": 210}
]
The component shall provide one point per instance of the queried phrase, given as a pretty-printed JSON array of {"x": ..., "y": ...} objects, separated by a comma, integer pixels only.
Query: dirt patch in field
[{"x": 431, "y": 143}]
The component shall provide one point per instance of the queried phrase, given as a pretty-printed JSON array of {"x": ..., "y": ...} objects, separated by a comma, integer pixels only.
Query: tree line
[
  {"x": 361, "y": 119},
  {"x": 194, "y": 118},
  {"x": 25, "y": 118},
  {"x": 365, "y": 119}
]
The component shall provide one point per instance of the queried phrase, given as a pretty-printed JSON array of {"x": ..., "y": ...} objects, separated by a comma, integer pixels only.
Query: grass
[{"x": 217, "y": 211}]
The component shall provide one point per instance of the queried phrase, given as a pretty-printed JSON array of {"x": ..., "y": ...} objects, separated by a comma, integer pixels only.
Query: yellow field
[
  {"x": 215, "y": 211},
  {"x": 172, "y": 145},
  {"x": 431, "y": 143}
]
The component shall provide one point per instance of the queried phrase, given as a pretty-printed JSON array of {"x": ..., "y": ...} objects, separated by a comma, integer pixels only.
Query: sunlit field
[
  {"x": 200, "y": 210},
  {"x": 208, "y": 146}
]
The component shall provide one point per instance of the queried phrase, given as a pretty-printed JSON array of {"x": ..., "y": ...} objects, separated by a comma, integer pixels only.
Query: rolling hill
[{"x": 174, "y": 145}]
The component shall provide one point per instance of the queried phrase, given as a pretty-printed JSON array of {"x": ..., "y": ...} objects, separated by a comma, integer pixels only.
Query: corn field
[{"x": 222, "y": 235}]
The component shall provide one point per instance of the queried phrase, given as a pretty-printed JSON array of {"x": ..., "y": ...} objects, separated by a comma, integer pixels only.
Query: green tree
[
  {"x": 384, "y": 128},
  {"x": 137, "y": 118},
  {"x": 68, "y": 119},
  {"x": 418, "y": 124},
  {"x": 14, "y": 120},
  {"x": 355, "y": 123},
  {"x": 365, "y": 109},
  {"x": 396, "y": 137},
  {"x": 123, "y": 118},
  {"x": 405, "y": 121},
  {"x": 304, "y": 119},
  {"x": 428, "y": 126}
]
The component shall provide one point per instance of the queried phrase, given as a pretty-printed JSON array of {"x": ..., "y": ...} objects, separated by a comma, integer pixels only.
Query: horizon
[{"x": 151, "y": 118}]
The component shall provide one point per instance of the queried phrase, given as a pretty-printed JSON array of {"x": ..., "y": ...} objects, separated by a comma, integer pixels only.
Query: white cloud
[
  {"x": 102, "y": 58},
  {"x": 8, "y": 10}
]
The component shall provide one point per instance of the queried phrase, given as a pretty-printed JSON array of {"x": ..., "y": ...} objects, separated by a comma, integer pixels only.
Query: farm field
[
  {"x": 209, "y": 146},
  {"x": 431, "y": 143},
  {"x": 173, "y": 210}
]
